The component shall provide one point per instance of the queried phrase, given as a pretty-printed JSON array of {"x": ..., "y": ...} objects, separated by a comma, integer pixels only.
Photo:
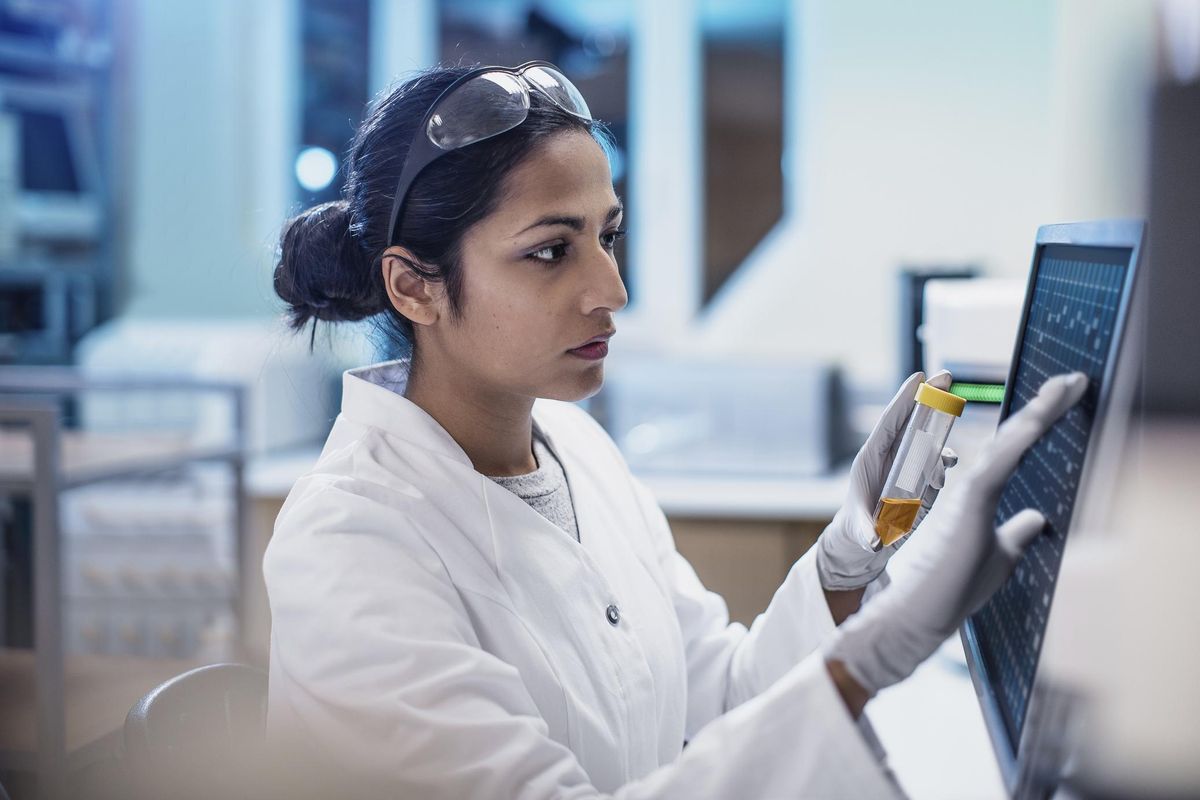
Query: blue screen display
[{"x": 1077, "y": 294}]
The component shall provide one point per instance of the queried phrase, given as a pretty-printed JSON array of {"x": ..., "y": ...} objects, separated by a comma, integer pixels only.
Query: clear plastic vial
[{"x": 916, "y": 460}]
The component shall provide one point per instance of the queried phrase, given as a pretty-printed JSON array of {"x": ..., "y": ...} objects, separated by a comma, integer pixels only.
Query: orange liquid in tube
[{"x": 895, "y": 518}]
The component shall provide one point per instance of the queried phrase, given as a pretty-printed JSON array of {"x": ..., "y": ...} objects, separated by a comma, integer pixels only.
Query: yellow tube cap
[{"x": 943, "y": 401}]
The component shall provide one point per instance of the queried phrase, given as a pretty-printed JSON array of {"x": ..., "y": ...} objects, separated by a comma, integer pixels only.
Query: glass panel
[{"x": 743, "y": 131}]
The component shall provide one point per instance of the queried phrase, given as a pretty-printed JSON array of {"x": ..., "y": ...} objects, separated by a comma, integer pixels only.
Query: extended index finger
[{"x": 1018, "y": 433}]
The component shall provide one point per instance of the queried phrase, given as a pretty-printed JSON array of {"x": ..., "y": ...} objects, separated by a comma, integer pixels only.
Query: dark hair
[{"x": 329, "y": 257}]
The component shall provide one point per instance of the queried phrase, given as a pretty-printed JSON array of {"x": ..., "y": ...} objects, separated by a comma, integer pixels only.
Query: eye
[
  {"x": 549, "y": 254},
  {"x": 609, "y": 240}
]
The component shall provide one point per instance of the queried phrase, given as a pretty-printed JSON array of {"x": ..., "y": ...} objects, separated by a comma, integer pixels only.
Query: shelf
[{"x": 89, "y": 457}]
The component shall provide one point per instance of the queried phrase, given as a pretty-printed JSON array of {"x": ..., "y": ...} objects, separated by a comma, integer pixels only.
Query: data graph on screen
[{"x": 1073, "y": 312}]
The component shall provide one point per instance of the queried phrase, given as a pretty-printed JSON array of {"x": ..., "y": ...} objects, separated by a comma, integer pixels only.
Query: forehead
[{"x": 568, "y": 173}]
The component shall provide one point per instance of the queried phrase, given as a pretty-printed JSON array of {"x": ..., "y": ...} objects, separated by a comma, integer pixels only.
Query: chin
[{"x": 579, "y": 387}]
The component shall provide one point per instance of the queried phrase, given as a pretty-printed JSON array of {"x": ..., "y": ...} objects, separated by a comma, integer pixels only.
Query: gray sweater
[{"x": 545, "y": 489}]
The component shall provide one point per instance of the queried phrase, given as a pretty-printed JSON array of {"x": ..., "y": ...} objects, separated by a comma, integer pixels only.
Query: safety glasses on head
[{"x": 483, "y": 103}]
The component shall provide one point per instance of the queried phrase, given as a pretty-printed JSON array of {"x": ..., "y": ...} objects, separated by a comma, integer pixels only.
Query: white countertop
[
  {"x": 748, "y": 497},
  {"x": 721, "y": 497},
  {"x": 933, "y": 731}
]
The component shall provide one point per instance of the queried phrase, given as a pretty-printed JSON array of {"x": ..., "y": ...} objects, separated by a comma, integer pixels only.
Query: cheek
[{"x": 512, "y": 316}]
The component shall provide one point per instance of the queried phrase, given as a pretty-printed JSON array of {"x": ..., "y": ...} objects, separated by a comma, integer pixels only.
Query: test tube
[{"x": 916, "y": 460}]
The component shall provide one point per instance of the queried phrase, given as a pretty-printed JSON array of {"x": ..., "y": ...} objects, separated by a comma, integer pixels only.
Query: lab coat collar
[{"x": 374, "y": 395}]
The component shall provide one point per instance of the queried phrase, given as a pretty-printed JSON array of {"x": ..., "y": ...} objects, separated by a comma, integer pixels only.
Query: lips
[
  {"x": 595, "y": 348},
  {"x": 592, "y": 352},
  {"x": 604, "y": 337}
]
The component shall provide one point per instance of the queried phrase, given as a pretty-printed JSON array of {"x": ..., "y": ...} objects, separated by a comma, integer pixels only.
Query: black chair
[{"x": 200, "y": 734}]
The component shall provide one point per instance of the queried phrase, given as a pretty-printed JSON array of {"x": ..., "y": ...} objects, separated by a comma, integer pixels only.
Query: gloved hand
[
  {"x": 845, "y": 559},
  {"x": 959, "y": 559}
]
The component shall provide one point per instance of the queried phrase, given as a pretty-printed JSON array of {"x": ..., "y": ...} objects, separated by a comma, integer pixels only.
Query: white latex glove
[
  {"x": 959, "y": 559},
  {"x": 845, "y": 558}
]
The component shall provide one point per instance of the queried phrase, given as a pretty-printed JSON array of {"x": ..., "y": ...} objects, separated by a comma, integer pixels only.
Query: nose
[{"x": 605, "y": 289}]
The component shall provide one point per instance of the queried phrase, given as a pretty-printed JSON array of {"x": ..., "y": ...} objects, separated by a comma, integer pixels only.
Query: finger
[
  {"x": 928, "y": 497},
  {"x": 1021, "y": 529},
  {"x": 1018, "y": 433},
  {"x": 940, "y": 379},
  {"x": 937, "y": 479},
  {"x": 895, "y": 417},
  {"x": 1013, "y": 537}
]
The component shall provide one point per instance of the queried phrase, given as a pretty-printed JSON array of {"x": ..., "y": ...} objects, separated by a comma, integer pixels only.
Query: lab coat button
[{"x": 614, "y": 616}]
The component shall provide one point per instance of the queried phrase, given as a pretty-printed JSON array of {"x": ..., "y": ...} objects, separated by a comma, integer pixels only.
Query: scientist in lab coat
[{"x": 471, "y": 595}]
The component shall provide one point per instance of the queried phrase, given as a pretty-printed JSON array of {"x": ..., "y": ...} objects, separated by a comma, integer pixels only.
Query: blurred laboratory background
[{"x": 822, "y": 197}]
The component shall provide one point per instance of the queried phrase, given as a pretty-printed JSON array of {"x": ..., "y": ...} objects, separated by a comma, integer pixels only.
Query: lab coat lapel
[
  {"x": 553, "y": 583},
  {"x": 523, "y": 537},
  {"x": 502, "y": 529},
  {"x": 606, "y": 508}
]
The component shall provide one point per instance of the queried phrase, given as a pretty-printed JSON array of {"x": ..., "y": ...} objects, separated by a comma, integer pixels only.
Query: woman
[{"x": 471, "y": 595}]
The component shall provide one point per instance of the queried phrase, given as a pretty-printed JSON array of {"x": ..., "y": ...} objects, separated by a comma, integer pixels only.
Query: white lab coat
[{"x": 434, "y": 636}]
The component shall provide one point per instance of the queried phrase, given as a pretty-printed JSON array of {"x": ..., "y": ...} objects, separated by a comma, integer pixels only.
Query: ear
[{"x": 409, "y": 293}]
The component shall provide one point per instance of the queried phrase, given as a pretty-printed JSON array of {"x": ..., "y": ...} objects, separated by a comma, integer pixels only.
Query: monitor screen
[
  {"x": 47, "y": 157},
  {"x": 1073, "y": 313},
  {"x": 48, "y": 149}
]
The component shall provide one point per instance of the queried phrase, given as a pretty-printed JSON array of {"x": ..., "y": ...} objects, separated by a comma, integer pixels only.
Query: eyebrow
[{"x": 574, "y": 223}]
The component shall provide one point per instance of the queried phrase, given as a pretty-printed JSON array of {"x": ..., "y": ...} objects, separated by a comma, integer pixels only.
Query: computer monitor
[
  {"x": 1077, "y": 307},
  {"x": 48, "y": 163}
]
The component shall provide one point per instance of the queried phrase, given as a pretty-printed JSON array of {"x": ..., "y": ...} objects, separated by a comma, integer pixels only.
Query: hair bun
[{"x": 323, "y": 273}]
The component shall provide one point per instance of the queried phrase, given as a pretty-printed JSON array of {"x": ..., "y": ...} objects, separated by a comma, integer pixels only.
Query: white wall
[
  {"x": 213, "y": 129},
  {"x": 937, "y": 131}
]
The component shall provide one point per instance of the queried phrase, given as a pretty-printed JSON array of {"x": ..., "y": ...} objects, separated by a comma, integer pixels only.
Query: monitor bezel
[
  {"x": 1016, "y": 764},
  {"x": 46, "y": 214}
]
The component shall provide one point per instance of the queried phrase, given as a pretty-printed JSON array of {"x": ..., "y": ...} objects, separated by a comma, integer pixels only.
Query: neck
[{"x": 494, "y": 429}]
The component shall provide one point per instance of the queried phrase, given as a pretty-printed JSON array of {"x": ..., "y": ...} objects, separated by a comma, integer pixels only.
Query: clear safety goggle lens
[
  {"x": 555, "y": 85},
  {"x": 494, "y": 102},
  {"x": 486, "y": 105}
]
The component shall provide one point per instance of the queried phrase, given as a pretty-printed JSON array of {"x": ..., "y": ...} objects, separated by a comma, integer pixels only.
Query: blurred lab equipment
[
  {"x": 60, "y": 691},
  {"x": 59, "y": 168},
  {"x": 291, "y": 394},
  {"x": 912, "y": 281},
  {"x": 969, "y": 327},
  {"x": 916, "y": 462},
  {"x": 149, "y": 566},
  {"x": 730, "y": 417}
]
